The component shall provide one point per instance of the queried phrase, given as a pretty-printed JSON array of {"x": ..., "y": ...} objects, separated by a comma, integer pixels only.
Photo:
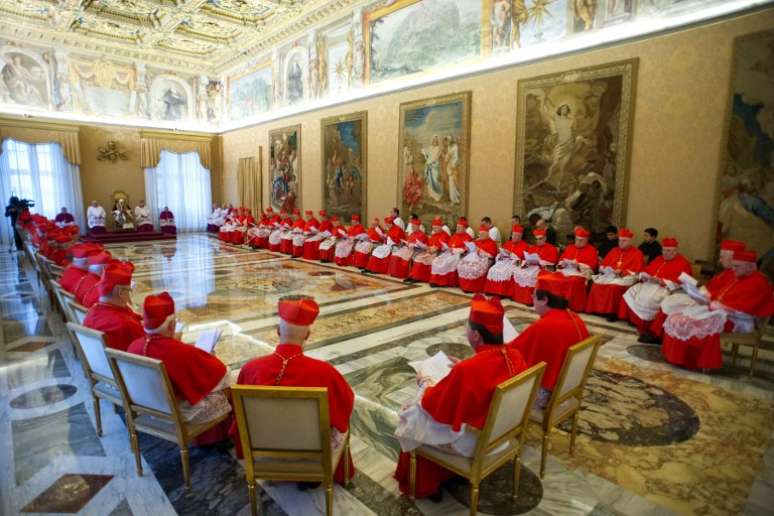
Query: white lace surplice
[
  {"x": 473, "y": 266},
  {"x": 275, "y": 237},
  {"x": 644, "y": 299},
  {"x": 382, "y": 251},
  {"x": 526, "y": 276},
  {"x": 212, "y": 406},
  {"x": 503, "y": 269},
  {"x": 344, "y": 248},
  {"x": 446, "y": 262}
]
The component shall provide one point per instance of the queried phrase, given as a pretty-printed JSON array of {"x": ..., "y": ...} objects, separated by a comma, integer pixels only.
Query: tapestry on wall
[
  {"x": 285, "y": 167},
  {"x": 746, "y": 210},
  {"x": 434, "y": 156},
  {"x": 573, "y": 140},
  {"x": 344, "y": 164}
]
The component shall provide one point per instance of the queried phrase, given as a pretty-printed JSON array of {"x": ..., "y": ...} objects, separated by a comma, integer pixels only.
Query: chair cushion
[
  {"x": 305, "y": 466},
  {"x": 559, "y": 412},
  {"x": 465, "y": 463}
]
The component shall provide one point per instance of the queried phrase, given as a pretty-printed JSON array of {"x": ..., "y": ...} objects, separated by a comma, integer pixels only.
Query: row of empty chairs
[{"x": 296, "y": 446}]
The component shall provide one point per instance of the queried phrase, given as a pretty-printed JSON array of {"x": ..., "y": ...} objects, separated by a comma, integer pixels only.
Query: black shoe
[
  {"x": 408, "y": 280},
  {"x": 436, "y": 497},
  {"x": 611, "y": 318},
  {"x": 648, "y": 338},
  {"x": 306, "y": 486},
  {"x": 434, "y": 286}
]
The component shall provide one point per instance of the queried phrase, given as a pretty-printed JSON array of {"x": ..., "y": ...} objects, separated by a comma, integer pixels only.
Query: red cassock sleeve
[
  {"x": 192, "y": 371},
  {"x": 488, "y": 246},
  {"x": 70, "y": 278},
  {"x": 464, "y": 395},
  {"x": 548, "y": 339},
  {"x": 751, "y": 295}
]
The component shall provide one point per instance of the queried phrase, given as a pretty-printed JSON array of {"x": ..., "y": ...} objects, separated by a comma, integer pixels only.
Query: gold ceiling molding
[
  {"x": 199, "y": 36},
  {"x": 30, "y": 131}
]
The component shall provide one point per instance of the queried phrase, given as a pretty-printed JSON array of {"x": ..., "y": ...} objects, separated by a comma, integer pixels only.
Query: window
[
  {"x": 181, "y": 183},
  {"x": 41, "y": 173}
]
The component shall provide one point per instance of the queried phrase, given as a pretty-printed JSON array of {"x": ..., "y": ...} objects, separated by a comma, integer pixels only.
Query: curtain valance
[
  {"x": 42, "y": 132},
  {"x": 153, "y": 142}
]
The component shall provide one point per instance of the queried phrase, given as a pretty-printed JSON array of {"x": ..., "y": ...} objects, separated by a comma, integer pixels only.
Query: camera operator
[{"x": 14, "y": 209}]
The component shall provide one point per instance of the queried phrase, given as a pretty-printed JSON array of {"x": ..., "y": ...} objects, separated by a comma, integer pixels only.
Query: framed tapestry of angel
[
  {"x": 434, "y": 157},
  {"x": 285, "y": 167},
  {"x": 344, "y": 164},
  {"x": 573, "y": 141}
]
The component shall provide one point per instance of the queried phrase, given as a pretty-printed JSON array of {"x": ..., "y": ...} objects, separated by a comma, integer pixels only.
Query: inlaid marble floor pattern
[{"x": 653, "y": 439}]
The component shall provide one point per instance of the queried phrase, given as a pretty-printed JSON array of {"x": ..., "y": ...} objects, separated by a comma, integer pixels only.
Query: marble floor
[{"x": 653, "y": 439}]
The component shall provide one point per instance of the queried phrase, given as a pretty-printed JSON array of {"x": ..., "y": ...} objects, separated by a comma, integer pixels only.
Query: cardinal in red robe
[
  {"x": 294, "y": 225},
  {"x": 344, "y": 253},
  {"x": 400, "y": 259},
  {"x": 692, "y": 337},
  {"x": 536, "y": 258},
  {"x": 364, "y": 246},
  {"x": 548, "y": 339},
  {"x": 331, "y": 231},
  {"x": 379, "y": 261},
  {"x": 443, "y": 270},
  {"x": 112, "y": 315},
  {"x": 450, "y": 412},
  {"x": 642, "y": 301},
  {"x": 473, "y": 268},
  {"x": 619, "y": 270},
  {"x": 86, "y": 286},
  {"x": 576, "y": 265},
  {"x": 422, "y": 263},
  {"x": 199, "y": 379},
  {"x": 299, "y": 230},
  {"x": 499, "y": 279},
  {"x": 289, "y": 366},
  {"x": 313, "y": 233},
  {"x": 73, "y": 273}
]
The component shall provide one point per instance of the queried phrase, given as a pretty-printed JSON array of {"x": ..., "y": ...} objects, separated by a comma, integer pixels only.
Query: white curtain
[
  {"x": 181, "y": 183},
  {"x": 39, "y": 172}
]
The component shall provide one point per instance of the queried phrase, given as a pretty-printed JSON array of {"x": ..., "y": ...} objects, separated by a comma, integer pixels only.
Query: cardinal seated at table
[
  {"x": 200, "y": 380},
  {"x": 288, "y": 366},
  {"x": 113, "y": 314},
  {"x": 448, "y": 413}
]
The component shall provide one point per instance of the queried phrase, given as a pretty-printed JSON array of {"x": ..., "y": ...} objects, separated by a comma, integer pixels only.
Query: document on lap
[
  {"x": 208, "y": 339},
  {"x": 435, "y": 368}
]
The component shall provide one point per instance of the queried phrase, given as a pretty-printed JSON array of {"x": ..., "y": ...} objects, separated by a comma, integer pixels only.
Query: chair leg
[
  {"x": 186, "y": 467},
  {"x": 136, "y": 449},
  {"x": 516, "y": 477},
  {"x": 543, "y": 453},
  {"x": 329, "y": 498},
  {"x": 753, "y": 358},
  {"x": 253, "y": 498},
  {"x": 345, "y": 457},
  {"x": 413, "y": 476},
  {"x": 473, "y": 499},
  {"x": 97, "y": 416},
  {"x": 573, "y": 432},
  {"x": 734, "y": 351}
]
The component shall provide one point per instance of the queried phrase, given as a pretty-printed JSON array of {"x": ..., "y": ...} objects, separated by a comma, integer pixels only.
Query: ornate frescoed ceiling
[{"x": 196, "y": 35}]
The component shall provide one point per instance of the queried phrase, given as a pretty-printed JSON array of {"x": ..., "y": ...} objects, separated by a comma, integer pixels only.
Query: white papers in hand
[
  {"x": 435, "y": 368},
  {"x": 688, "y": 279},
  {"x": 531, "y": 258},
  {"x": 208, "y": 338},
  {"x": 471, "y": 246}
]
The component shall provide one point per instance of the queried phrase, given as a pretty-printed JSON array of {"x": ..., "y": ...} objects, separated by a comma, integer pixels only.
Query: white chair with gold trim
[
  {"x": 90, "y": 347},
  {"x": 500, "y": 440},
  {"x": 566, "y": 399},
  {"x": 78, "y": 310},
  {"x": 151, "y": 405},
  {"x": 285, "y": 435}
]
